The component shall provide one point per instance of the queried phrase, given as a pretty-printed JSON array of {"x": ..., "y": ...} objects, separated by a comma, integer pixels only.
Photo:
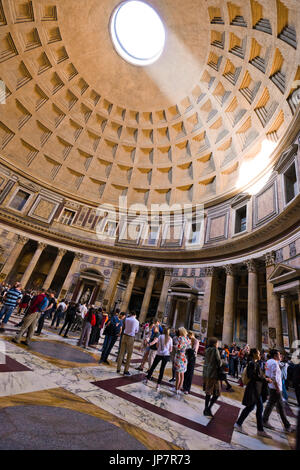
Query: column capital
[
  {"x": 251, "y": 265},
  {"x": 78, "y": 256},
  {"x": 168, "y": 271},
  {"x": 270, "y": 258},
  {"x": 152, "y": 271},
  {"x": 22, "y": 240},
  {"x": 61, "y": 252},
  {"x": 118, "y": 265},
  {"x": 134, "y": 268},
  {"x": 209, "y": 271},
  {"x": 42, "y": 245},
  {"x": 230, "y": 269}
]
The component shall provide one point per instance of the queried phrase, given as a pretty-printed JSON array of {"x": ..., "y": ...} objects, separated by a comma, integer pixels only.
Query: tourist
[
  {"x": 112, "y": 331},
  {"x": 122, "y": 317},
  {"x": 283, "y": 367},
  {"x": 174, "y": 337},
  {"x": 24, "y": 303},
  {"x": 145, "y": 347},
  {"x": 95, "y": 334},
  {"x": 153, "y": 344},
  {"x": 88, "y": 322},
  {"x": 275, "y": 388},
  {"x": 131, "y": 328},
  {"x": 47, "y": 313},
  {"x": 10, "y": 299},
  {"x": 164, "y": 349},
  {"x": 103, "y": 321},
  {"x": 191, "y": 354},
  {"x": 180, "y": 360},
  {"x": 37, "y": 305},
  {"x": 211, "y": 367},
  {"x": 59, "y": 313},
  {"x": 255, "y": 395},
  {"x": 296, "y": 382},
  {"x": 71, "y": 312}
]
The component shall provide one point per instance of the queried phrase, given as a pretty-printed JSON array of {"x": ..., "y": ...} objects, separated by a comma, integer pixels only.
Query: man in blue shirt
[
  {"x": 11, "y": 299},
  {"x": 112, "y": 332}
]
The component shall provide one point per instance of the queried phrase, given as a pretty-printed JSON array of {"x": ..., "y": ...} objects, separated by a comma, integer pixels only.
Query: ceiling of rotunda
[{"x": 195, "y": 126}]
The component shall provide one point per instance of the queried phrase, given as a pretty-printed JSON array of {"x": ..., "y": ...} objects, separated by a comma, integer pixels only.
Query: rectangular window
[
  {"x": 240, "y": 220},
  {"x": 67, "y": 217},
  {"x": 19, "y": 200},
  {"x": 290, "y": 183}
]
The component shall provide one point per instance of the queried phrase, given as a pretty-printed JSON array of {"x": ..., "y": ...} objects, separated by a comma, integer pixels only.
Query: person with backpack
[
  {"x": 164, "y": 349},
  {"x": 11, "y": 298},
  {"x": 37, "y": 305},
  {"x": 71, "y": 312},
  {"x": 255, "y": 395},
  {"x": 59, "y": 313},
  {"x": 112, "y": 332},
  {"x": 88, "y": 322}
]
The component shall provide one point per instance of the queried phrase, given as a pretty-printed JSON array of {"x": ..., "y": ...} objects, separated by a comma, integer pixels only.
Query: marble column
[
  {"x": 68, "y": 280},
  {"x": 112, "y": 286},
  {"x": 147, "y": 296},
  {"x": 273, "y": 305},
  {"x": 209, "y": 304},
  {"x": 164, "y": 294},
  {"x": 128, "y": 292},
  {"x": 53, "y": 269},
  {"x": 253, "y": 321},
  {"x": 32, "y": 264},
  {"x": 229, "y": 305},
  {"x": 14, "y": 255}
]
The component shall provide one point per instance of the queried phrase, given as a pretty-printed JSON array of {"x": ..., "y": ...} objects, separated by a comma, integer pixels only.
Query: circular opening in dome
[{"x": 137, "y": 32}]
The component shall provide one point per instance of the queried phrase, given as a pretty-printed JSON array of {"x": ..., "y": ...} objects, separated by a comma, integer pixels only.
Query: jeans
[
  {"x": 164, "y": 360},
  {"x": 275, "y": 398},
  {"x": 58, "y": 316},
  {"x": 6, "y": 312},
  {"x": 284, "y": 392},
  {"x": 259, "y": 412},
  {"x": 107, "y": 346}
]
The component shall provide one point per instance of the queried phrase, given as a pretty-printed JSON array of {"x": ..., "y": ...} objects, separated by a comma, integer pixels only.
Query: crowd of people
[{"x": 266, "y": 375}]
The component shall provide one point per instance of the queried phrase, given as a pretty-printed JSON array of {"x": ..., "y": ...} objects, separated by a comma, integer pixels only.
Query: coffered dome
[{"x": 197, "y": 125}]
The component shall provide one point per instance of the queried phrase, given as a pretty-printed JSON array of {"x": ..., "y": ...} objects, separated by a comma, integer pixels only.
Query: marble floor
[{"x": 55, "y": 395}]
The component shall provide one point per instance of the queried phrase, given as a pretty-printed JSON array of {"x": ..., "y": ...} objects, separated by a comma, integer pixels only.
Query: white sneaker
[
  {"x": 157, "y": 388},
  {"x": 240, "y": 429}
]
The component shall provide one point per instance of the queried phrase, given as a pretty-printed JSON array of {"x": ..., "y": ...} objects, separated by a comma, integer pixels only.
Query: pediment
[
  {"x": 285, "y": 156},
  {"x": 283, "y": 272},
  {"x": 243, "y": 197}
]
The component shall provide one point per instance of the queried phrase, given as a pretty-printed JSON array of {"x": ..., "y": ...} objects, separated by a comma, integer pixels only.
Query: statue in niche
[{"x": 85, "y": 297}]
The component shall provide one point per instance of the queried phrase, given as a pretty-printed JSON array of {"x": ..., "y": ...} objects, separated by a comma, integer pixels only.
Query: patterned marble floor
[{"x": 53, "y": 373}]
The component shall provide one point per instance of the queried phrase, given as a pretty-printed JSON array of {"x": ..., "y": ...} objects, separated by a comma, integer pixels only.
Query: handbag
[{"x": 245, "y": 378}]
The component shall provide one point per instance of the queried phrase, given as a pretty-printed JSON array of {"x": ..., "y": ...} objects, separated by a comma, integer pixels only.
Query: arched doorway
[{"x": 183, "y": 300}]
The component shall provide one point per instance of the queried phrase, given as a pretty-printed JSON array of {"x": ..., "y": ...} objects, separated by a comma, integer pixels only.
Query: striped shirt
[{"x": 12, "y": 296}]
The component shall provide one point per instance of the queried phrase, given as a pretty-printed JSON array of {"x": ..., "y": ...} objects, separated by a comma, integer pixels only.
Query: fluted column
[
  {"x": 54, "y": 268},
  {"x": 73, "y": 269},
  {"x": 253, "y": 321},
  {"x": 229, "y": 305},
  {"x": 147, "y": 296},
  {"x": 14, "y": 255},
  {"x": 130, "y": 284},
  {"x": 112, "y": 286},
  {"x": 32, "y": 264},
  {"x": 273, "y": 304},
  {"x": 164, "y": 294},
  {"x": 209, "y": 304}
]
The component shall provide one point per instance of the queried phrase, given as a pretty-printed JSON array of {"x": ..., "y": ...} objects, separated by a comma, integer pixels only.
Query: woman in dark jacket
[
  {"x": 211, "y": 369},
  {"x": 71, "y": 311},
  {"x": 255, "y": 394}
]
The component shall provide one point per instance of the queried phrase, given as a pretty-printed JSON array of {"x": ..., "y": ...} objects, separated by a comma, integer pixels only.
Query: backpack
[{"x": 245, "y": 378}]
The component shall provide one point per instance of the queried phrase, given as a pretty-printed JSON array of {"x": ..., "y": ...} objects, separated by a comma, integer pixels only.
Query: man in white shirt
[
  {"x": 131, "y": 328},
  {"x": 275, "y": 388}
]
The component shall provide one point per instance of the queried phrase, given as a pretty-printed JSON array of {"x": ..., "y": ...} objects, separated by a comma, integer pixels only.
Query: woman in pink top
[{"x": 191, "y": 354}]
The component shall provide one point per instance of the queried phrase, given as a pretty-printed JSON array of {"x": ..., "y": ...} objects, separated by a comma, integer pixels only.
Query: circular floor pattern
[
  {"x": 62, "y": 351},
  {"x": 51, "y": 428}
]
